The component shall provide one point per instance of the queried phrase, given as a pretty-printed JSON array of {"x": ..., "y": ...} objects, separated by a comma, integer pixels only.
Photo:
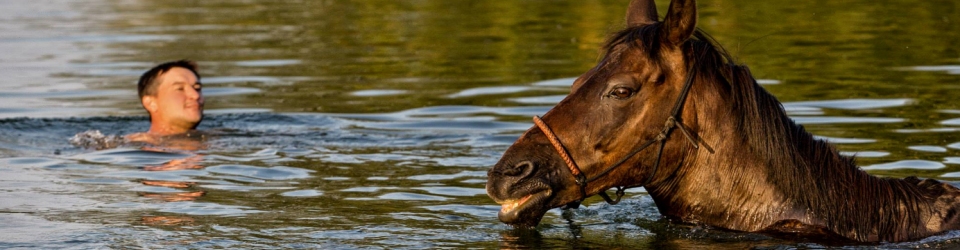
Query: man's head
[{"x": 171, "y": 94}]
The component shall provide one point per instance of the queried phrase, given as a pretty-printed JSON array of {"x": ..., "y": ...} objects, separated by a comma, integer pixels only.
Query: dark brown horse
[{"x": 667, "y": 109}]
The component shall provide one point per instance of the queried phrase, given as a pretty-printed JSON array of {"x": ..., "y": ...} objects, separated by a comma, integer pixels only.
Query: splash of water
[{"x": 94, "y": 139}]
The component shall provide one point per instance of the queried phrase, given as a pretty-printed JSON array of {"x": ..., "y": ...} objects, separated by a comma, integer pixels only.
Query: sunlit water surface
[{"x": 371, "y": 124}]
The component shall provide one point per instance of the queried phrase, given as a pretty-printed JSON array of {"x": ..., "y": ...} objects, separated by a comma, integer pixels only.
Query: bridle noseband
[{"x": 672, "y": 122}]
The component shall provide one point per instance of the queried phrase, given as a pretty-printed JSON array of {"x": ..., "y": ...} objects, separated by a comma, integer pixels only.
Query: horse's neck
[
  {"x": 786, "y": 174},
  {"x": 767, "y": 170},
  {"x": 834, "y": 193}
]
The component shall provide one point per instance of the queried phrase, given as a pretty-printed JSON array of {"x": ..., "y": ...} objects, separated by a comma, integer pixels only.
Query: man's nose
[{"x": 194, "y": 94}]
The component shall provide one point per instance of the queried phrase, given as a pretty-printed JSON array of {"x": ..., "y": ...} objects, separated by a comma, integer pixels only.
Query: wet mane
[{"x": 807, "y": 170}]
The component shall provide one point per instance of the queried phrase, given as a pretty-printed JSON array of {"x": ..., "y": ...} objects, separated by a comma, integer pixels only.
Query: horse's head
[{"x": 610, "y": 122}]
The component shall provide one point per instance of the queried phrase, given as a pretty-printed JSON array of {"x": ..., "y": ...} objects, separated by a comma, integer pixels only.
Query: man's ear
[{"x": 150, "y": 104}]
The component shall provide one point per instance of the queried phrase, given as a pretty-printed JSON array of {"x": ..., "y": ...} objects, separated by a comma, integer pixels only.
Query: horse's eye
[{"x": 621, "y": 93}]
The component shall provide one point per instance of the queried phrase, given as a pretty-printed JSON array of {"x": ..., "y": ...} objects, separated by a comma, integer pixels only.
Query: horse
[{"x": 666, "y": 108}]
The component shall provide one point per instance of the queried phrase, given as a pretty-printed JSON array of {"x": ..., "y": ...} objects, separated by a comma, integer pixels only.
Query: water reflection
[
  {"x": 381, "y": 92},
  {"x": 167, "y": 221},
  {"x": 171, "y": 190},
  {"x": 521, "y": 239},
  {"x": 907, "y": 164},
  {"x": 175, "y": 171},
  {"x": 949, "y": 69}
]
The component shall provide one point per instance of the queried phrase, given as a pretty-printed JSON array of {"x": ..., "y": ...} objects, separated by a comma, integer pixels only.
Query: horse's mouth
[{"x": 525, "y": 211}]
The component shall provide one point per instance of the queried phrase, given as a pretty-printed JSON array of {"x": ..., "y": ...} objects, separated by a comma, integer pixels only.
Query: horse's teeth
[{"x": 509, "y": 206}]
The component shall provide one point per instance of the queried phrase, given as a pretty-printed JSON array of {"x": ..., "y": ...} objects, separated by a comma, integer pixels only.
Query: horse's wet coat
[{"x": 767, "y": 175}]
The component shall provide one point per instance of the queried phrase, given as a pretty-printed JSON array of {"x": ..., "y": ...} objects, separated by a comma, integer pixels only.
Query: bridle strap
[
  {"x": 558, "y": 146},
  {"x": 580, "y": 177},
  {"x": 668, "y": 126}
]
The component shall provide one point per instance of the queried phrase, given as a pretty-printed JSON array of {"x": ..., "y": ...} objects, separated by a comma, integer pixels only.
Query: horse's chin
[{"x": 526, "y": 211}]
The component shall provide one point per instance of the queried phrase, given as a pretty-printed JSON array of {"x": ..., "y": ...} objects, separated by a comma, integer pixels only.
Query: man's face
[{"x": 178, "y": 101}]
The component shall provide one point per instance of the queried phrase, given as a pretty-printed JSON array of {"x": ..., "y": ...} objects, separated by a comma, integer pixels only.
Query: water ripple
[
  {"x": 907, "y": 164},
  {"x": 242, "y": 188},
  {"x": 949, "y": 69},
  {"x": 482, "y": 211},
  {"x": 926, "y": 148},
  {"x": 176, "y": 175},
  {"x": 268, "y": 63},
  {"x": 768, "y": 81},
  {"x": 302, "y": 193},
  {"x": 553, "y": 99},
  {"x": 226, "y": 91},
  {"x": 927, "y": 130},
  {"x": 837, "y": 140},
  {"x": 132, "y": 157},
  {"x": 410, "y": 197},
  {"x": 29, "y": 162},
  {"x": 367, "y": 189},
  {"x": 204, "y": 208},
  {"x": 489, "y": 91},
  {"x": 378, "y": 92},
  {"x": 951, "y": 122},
  {"x": 562, "y": 82},
  {"x": 853, "y": 104},
  {"x": 867, "y": 154},
  {"x": 951, "y": 160},
  {"x": 845, "y": 120},
  {"x": 436, "y": 177},
  {"x": 454, "y": 191},
  {"x": 271, "y": 173}
]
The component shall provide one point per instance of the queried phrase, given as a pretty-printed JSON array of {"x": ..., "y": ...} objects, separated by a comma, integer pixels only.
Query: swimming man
[{"x": 171, "y": 94}]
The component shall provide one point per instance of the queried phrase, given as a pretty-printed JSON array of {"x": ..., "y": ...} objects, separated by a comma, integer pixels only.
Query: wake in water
[{"x": 94, "y": 139}]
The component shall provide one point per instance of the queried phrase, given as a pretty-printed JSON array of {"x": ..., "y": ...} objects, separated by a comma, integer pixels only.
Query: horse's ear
[
  {"x": 681, "y": 21},
  {"x": 641, "y": 12}
]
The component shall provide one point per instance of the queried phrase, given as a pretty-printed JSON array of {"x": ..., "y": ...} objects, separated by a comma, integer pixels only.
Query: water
[{"x": 371, "y": 124}]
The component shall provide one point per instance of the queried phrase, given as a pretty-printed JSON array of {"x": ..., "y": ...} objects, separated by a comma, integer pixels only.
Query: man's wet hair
[{"x": 148, "y": 81}]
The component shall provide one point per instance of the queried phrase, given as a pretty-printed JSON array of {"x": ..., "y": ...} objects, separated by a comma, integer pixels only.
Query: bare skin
[{"x": 176, "y": 107}]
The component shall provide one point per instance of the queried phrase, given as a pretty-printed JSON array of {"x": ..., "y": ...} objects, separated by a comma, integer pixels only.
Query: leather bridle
[{"x": 672, "y": 122}]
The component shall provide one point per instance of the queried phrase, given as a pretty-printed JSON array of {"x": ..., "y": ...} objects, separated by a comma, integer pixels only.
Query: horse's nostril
[{"x": 523, "y": 168}]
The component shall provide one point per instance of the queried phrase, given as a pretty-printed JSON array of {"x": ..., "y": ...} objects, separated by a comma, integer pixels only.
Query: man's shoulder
[{"x": 141, "y": 137}]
